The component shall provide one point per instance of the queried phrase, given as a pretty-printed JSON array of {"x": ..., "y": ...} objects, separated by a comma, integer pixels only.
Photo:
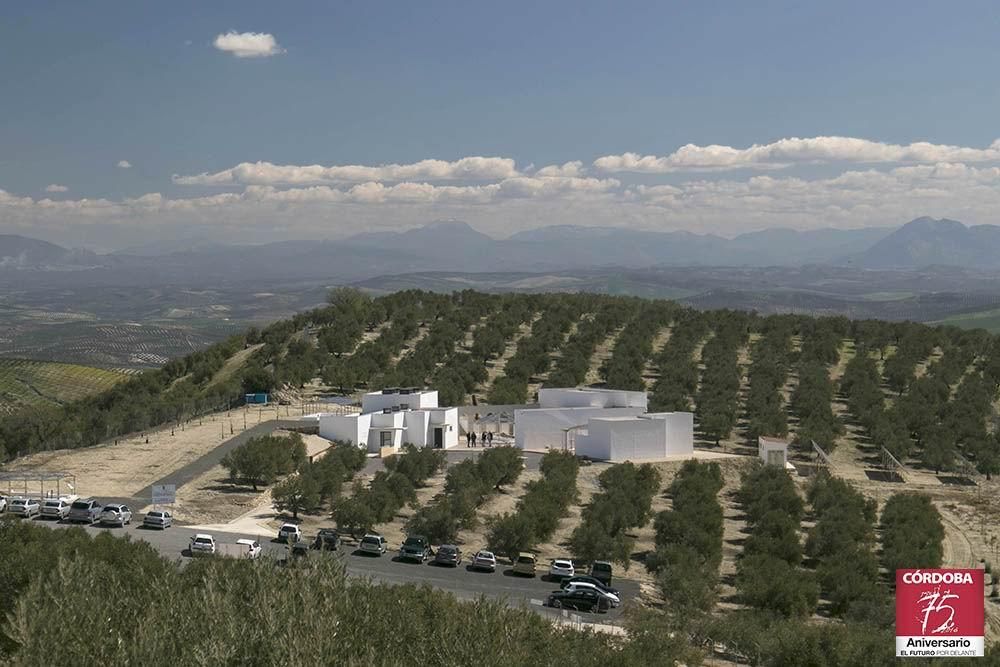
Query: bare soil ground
[{"x": 120, "y": 470}]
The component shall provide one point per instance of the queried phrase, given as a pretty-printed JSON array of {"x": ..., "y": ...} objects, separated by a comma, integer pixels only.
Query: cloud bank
[
  {"x": 882, "y": 184},
  {"x": 785, "y": 153}
]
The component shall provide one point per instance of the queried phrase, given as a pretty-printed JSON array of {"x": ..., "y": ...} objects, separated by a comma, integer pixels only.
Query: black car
[
  {"x": 582, "y": 600},
  {"x": 326, "y": 540},
  {"x": 586, "y": 579},
  {"x": 601, "y": 570},
  {"x": 415, "y": 547}
]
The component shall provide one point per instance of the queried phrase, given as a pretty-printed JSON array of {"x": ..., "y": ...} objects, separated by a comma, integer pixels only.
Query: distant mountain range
[{"x": 455, "y": 246}]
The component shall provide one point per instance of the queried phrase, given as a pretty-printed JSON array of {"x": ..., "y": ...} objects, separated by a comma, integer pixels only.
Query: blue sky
[{"x": 86, "y": 85}]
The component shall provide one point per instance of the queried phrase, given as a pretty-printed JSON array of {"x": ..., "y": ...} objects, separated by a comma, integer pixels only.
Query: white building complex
[
  {"x": 393, "y": 417},
  {"x": 603, "y": 424}
]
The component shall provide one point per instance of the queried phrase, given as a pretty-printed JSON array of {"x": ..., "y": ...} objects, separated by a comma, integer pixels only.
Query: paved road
[{"x": 462, "y": 582}]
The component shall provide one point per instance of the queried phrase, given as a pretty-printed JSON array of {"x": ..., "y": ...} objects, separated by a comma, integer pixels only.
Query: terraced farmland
[{"x": 25, "y": 383}]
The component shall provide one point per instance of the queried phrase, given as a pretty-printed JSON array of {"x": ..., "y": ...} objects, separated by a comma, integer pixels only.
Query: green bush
[{"x": 912, "y": 533}]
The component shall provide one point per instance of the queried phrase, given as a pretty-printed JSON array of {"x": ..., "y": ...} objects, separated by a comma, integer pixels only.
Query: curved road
[{"x": 463, "y": 583}]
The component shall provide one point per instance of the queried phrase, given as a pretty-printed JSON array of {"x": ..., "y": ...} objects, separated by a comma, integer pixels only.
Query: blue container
[{"x": 256, "y": 399}]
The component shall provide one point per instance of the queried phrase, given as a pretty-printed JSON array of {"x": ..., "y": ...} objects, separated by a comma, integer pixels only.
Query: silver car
[
  {"x": 24, "y": 507},
  {"x": 158, "y": 519},
  {"x": 85, "y": 510},
  {"x": 116, "y": 515},
  {"x": 55, "y": 508}
]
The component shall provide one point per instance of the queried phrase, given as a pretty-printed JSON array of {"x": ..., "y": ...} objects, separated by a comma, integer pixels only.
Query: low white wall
[{"x": 558, "y": 397}]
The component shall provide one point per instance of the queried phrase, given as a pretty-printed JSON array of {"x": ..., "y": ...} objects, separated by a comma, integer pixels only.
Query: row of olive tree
[
  {"x": 389, "y": 491},
  {"x": 842, "y": 542},
  {"x": 689, "y": 539},
  {"x": 467, "y": 485},
  {"x": 717, "y": 400},
  {"x": 634, "y": 347},
  {"x": 538, "y": 511},
  {"x": 769, "y": 576},
  {"x": 624, "y": 503},
  {"x": 676, "y": 365}
]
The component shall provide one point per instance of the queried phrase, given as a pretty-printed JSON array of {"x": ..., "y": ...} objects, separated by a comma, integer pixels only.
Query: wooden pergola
[{"x": 38, "y": 478}]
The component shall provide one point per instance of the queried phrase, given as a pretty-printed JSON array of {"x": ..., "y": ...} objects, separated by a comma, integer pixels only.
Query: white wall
[
  {"x": 765, "y": 446},
  {"x": 376, "y": 401},
  {"x": 680, "y": 431},
  {"x": 624, "y": 439},
  {"x": 447, "y": 420},
  {"x": 541, "y": 428},
  {"x": 590, "y": 398},
  {"x": 648, "y": 437},
  {"x": 346, "y": 428}
]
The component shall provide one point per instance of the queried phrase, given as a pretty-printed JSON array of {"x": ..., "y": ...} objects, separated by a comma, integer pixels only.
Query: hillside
[
  {"x": 452, "y": 341},
  {"x": 859, "y": 390},
  {"x": 25, "y": 383}
]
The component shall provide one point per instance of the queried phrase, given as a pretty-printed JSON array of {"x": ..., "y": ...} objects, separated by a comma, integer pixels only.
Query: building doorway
[{"x": 438, "y": 438}]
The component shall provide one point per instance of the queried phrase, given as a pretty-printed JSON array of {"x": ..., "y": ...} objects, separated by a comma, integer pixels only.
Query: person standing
[
  {"x": 468, "y": 439},
  {"x": 473, "y": 439}
]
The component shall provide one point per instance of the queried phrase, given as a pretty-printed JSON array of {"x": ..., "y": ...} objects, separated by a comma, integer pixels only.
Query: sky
[{"x": 128, "y": 122}]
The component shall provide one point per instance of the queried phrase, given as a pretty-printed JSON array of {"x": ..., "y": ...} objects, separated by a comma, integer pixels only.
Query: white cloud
[
  {"x": 248, "y": 44},
  {"x": 124, "y": 164},
  {"x": 266, "y": 173},
  {"x": 787, "y": 152},
  {"x": 56, "y": 188},
  {"x": 574, "y": 168}
]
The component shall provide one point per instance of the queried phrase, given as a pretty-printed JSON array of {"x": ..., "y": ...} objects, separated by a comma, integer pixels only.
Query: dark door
[{"x": 438, "y": 438}]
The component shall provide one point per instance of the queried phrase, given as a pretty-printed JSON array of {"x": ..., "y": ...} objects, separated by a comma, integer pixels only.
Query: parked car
[
  {"x": 373, "y": 543},
  {"x": 484, "y": 560},
  {"x": 116, "y": 515},
  {"x": 327, "y": 539},
  {"x": 84, "y": 510},
  {"x": 244, "y": 548},
  {"x": 3, "y": 503},
  {"x": 55, "y": 508},
  {"x": 583, "y": 600},
  {"x": 290, "y": 533},
  {"x": 561, "y": 568},
  {"x": 158, "y": 519},
  {"x": 299, "y": 549},
  {"x": 24, "y": 507},
  {"x": 202, "y": 543},
  {"x": 525, "y": 564},
  {"x": 448, "y": 554},
  {"x": 614, "y": 599},
  {"x": 587, "y": 579},
  {"x": 601, "y": 570},
  {"x": 415, "y": 547}
]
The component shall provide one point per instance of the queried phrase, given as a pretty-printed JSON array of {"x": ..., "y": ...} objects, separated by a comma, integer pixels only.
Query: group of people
[{"x": 486, "y": 439}]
